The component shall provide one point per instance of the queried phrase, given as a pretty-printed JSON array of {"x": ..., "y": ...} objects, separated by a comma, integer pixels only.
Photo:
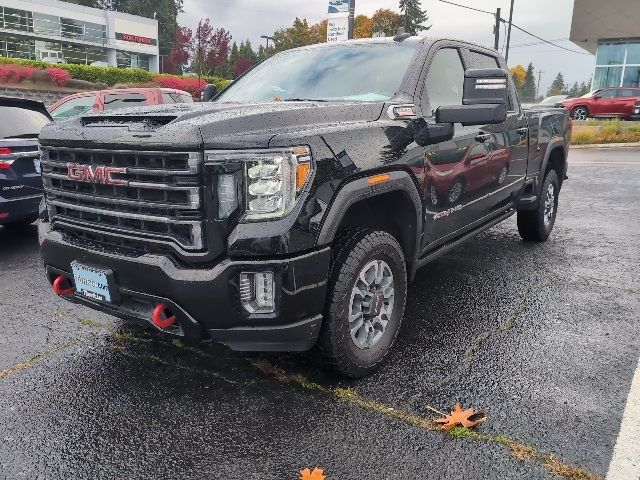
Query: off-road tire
[
  {"x": 531, "y": 223},
  {"x": 352, "y": 251}
]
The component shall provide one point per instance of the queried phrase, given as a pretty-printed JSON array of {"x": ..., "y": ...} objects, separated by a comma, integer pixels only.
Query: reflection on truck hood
[{"x": 216, "y": 125}]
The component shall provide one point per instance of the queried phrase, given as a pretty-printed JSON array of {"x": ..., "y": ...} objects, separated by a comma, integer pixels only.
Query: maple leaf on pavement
[
  {"x": 317, "y": 474},
  {"x": 467, "y": 418}
]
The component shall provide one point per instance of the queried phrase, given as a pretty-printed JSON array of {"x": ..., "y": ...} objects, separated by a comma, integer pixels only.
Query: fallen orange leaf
[
  {"x": 467, "y": 418},
  {"x": 317, "y": 474}
]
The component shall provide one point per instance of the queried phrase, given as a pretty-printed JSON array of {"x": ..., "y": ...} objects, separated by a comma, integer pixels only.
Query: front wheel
[
  {"x": 536, "y": 225},
  {"x": 580, "y": 113},
  {"x": 365, "y": 303}
]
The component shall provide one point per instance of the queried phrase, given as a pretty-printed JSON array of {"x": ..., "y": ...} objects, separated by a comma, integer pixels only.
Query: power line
[{"x": 517, "y": 27}]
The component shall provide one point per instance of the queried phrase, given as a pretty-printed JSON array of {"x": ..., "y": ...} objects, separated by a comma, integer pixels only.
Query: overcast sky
[{"x": 549, "y": 19}]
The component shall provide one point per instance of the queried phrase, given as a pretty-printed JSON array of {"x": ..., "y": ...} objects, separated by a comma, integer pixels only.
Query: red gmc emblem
[{"x": 87, "y": 173}]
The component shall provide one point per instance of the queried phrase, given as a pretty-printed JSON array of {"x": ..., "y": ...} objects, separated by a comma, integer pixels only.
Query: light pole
[{"x": 267, "y": 38}]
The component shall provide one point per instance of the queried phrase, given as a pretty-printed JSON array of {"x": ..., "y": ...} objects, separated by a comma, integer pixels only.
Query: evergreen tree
[
  {"x": 233, "y": 58},
  {"x": 413, "y": 17},
  {"x": 574, "y": 91},
  {"x": 262, "y": 53},
  {"x": 529, "y": 87},
  {"x": 557, "y": 87}
]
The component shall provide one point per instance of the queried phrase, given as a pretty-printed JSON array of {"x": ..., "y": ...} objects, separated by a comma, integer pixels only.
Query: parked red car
[
  {"x": 81, "y": 103},
  {"x": 450, "y": 173},
  {"x": 622, "y": 102}
]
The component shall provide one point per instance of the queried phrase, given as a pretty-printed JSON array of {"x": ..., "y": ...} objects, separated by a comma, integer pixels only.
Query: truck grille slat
[{"x": 155, "y": 195}]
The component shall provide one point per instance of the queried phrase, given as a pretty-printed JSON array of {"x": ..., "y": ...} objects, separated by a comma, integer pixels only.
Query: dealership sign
[
  {"x": 338, "y": 6},
  {"x": 127, "y": 37},
  {"x": 338, "y": 20}
]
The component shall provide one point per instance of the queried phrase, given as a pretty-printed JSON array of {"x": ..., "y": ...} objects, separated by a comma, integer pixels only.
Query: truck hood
[{"x": 208, "y": 125}]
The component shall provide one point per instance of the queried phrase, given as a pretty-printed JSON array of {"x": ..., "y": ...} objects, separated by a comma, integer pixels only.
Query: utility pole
[
  {"x": 506, "y": 56},
  {"x": 540, "y": 72},
  {"x": 352, "y": 16},
  {"x": 496, "y": 30}
]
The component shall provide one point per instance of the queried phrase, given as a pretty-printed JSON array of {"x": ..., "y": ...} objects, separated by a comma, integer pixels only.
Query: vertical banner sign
[{"x": 338, "y": 21}]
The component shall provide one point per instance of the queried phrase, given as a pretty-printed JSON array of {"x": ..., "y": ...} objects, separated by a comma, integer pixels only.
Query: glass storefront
[
  {"x": 44, "y": 39},
  {"x": 133, "y": 60},
  {"x": 17, "y": 46},
  {"x": 50, "y": 25},
  {"x": 617, "y": 65}
]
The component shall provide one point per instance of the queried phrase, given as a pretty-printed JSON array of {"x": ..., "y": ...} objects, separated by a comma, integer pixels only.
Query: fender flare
[
  {"x": 553, "y": 145},
  {"x": 360, "y": 189}
]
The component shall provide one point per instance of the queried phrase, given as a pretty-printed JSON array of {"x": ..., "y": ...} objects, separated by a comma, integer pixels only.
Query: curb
[{"x": 606, "y": 145}]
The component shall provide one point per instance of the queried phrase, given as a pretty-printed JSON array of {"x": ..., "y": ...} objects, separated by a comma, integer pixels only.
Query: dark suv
[
  {"x": 20, "y": 180},
  {"x": 292, "y": 211}
]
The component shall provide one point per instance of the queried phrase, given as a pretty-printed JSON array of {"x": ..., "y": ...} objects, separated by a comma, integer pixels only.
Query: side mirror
[
  {"x": 484, "y": 101},
  {"x": 433, "y": 133},
  {"x": 596, "y": 97},
  {"x": 208, "y": 92}
]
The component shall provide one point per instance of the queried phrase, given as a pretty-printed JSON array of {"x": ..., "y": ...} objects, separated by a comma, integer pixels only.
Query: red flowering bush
[
  {"x": 16, "y": 73},
  {"x": 188, "y": 84},
  {"x": 58, "y": 75}
]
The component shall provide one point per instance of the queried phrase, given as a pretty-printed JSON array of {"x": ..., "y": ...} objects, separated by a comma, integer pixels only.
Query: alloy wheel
[
  {"x": 371, "y": 304},
  {"x": 549, "y": 205}
]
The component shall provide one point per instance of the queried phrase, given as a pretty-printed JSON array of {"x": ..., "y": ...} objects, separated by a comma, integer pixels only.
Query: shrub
[
  {"x": 16, "y": 73},
  {"x": 188, "y": 84},
  {"x": 58, "y": 75},
  {"x": 220, "y": 83}
]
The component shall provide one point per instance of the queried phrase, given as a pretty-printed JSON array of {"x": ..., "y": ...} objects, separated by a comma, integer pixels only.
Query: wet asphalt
[{"x": 544, "y": 338}]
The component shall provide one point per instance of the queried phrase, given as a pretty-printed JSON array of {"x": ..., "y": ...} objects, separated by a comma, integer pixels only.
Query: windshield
[
  {"x": 554, "y": 99},
  {"x": 361, "y": 72},
  {"x": 23, "y": 122},
  {"x": 591, "y": 94}
]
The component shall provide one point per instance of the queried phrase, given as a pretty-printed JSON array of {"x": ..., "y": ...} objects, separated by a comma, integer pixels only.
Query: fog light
[{"x": 257, "y": 292}]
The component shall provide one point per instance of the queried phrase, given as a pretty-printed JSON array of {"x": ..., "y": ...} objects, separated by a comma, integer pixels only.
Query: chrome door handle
[
  {"x": 523, "y": 131},
  {"x": 482, "y": 137}
]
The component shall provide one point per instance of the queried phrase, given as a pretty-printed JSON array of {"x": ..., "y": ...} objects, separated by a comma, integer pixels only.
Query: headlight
[{"x": 273, "y": 179}]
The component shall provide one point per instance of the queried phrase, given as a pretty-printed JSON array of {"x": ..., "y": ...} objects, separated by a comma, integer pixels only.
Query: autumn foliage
[
  {"x": 316, "y": 474},
  {"x": 19, "y": 73},
  {"x": 193, "y": 85}
]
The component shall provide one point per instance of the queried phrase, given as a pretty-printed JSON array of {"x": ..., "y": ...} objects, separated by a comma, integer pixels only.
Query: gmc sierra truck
[{"x": 291, "y": 211}]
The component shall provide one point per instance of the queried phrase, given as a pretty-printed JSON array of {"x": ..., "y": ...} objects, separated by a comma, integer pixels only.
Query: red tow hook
[
  {"x": 59, "y": 288},
  {"x": 161, "y": 318}
]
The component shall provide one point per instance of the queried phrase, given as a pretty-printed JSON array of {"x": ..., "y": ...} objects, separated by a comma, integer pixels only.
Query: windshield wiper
[{"x": 303, "y": 100}]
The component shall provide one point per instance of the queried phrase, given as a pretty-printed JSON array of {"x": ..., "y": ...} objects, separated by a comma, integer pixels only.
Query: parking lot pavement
[{"x": 544, "y": 338}]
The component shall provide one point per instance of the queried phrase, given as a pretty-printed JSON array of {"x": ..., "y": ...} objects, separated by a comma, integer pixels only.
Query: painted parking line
[
  {"x": 625, "y": 464},
  {"x": 606, "y": 163}
]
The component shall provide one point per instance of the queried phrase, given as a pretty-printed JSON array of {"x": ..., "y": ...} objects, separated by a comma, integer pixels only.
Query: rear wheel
[
  {"x": 536, "y": 225},
  {"x": 365, "y": 303},
  {"x": 580, "y": 113}
]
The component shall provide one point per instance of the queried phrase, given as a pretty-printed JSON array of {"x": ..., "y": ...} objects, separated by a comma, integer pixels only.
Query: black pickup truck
[{"x": 291, "y": 211}]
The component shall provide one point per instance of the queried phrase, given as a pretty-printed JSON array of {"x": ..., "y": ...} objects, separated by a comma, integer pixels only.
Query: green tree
[
  {"x": 300, "y": 34},
  {"x": 558, "y": 86},
  {"x": 413, "y": 17},
  {"x": 585, "y": 87},
  {"x": 529, "y": 87},
  {"x": 386, "y": 21},
  {"x": 234, "y": 56}
]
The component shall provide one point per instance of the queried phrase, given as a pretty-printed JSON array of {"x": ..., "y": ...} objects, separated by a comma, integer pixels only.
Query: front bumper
[
  {"x": 206, "y": 301},
  {"x": 19, "y": 208}
]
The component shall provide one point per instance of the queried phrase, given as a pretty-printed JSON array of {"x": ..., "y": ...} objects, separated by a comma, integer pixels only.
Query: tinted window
[
  {"x": 175, "y": 97},
  {"x": 113, "y": 101},
  {"x": 481, "y": 60},
  {"x": 361, "y": 72},
  {"x": 628, "y": 92},
  {"x": 24, "y": 123},
  {"x": 479, "y": 150},
  {"x": 443, "y": 157},
  {"x": 445, "y": 80},
  {"x": 75, "y": 106},
  {"x": 608, "y": 94}
]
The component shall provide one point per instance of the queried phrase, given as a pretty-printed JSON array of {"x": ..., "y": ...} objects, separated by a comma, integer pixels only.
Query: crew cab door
[
  {"x": 450, "y": 179},
  {"x": 507, "y": 167}
]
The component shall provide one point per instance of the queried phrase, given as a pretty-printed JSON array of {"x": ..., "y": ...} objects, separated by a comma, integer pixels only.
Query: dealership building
[
  {"x": 58, "y": 32},
  {"x": 611, "y": 31}
]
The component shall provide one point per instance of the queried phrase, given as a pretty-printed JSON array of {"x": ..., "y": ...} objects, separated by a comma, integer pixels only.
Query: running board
[{"x": 454, "y": 243}]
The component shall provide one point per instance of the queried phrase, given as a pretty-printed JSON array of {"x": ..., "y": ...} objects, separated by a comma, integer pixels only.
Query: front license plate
[
  {"x": 91, "y": 282},
  {"x": 36, "y": 164}
]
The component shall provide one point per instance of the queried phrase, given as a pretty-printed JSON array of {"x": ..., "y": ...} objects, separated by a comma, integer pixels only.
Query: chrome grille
[{"x": 157, "y": 196}]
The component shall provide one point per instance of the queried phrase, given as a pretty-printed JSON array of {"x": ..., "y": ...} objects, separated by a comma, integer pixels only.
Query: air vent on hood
[{"x": 137, "y": 122}]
